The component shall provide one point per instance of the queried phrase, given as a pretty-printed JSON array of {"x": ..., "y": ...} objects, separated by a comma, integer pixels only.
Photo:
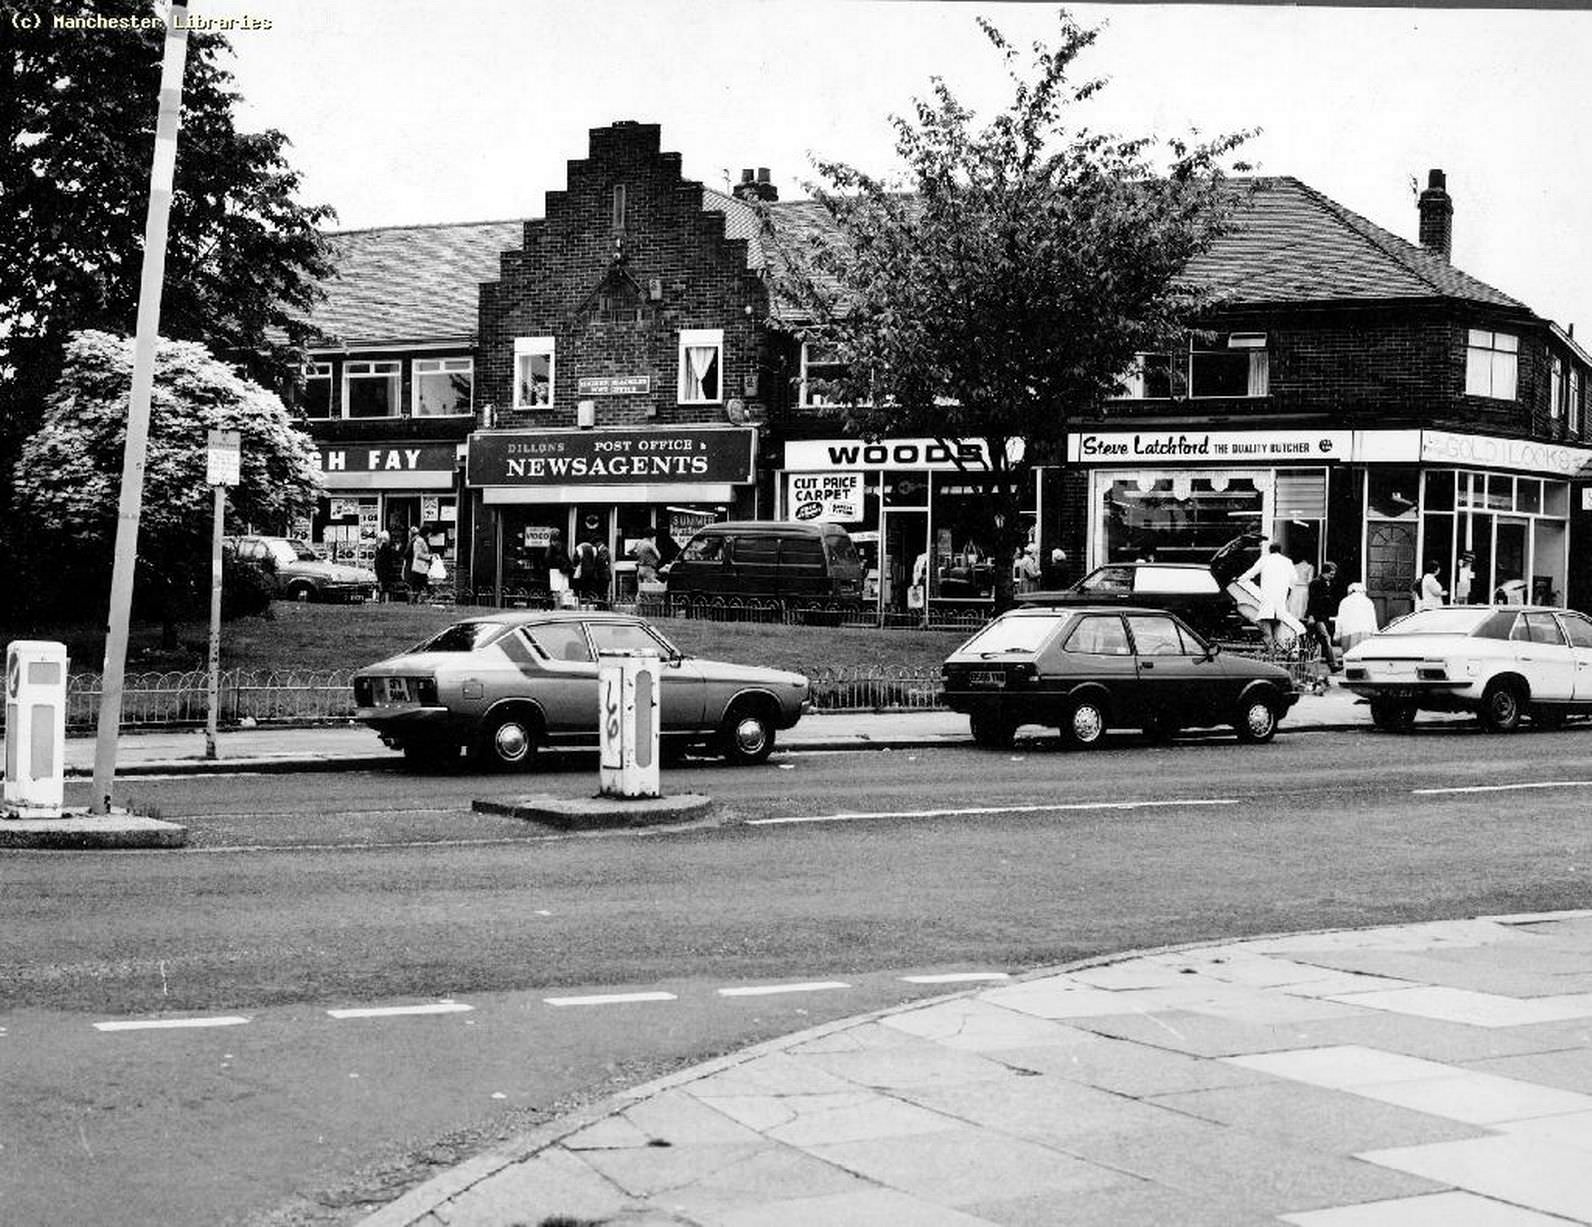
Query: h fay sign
[
  {"x": 388, "y": 466},
  {"x": 824, "y": 497}
]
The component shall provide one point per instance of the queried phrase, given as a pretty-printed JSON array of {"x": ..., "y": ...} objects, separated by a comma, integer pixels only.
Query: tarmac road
[{"x": 305, "y": 894}]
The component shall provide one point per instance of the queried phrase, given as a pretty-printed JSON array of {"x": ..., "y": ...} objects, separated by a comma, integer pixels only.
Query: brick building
[{"x": 609, "y": 369}]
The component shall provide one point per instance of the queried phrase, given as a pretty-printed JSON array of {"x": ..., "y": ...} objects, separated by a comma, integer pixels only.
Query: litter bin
[{"x": 35, "y": 729}]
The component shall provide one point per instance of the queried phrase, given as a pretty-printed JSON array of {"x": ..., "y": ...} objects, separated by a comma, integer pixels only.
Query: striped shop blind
[{"x": 1302, "y": 493}]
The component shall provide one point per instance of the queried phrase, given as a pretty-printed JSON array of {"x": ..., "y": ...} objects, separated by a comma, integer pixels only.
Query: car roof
[
  {"x": 1057, "y": 611},
  {"x": 798, "y": 527},
  {"x": 523, "y": 617}
]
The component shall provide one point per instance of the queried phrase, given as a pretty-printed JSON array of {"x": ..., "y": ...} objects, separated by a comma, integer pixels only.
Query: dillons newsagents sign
[{"x": 608, "y": 457}]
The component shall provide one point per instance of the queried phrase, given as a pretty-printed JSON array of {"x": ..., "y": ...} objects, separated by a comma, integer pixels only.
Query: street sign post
[{"x": 223, "y": 465}]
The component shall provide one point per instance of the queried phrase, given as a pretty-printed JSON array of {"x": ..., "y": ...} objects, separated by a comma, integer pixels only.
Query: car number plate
[
  {"x": 397, "y": 689},
  {"x": 987, "y": 677}
]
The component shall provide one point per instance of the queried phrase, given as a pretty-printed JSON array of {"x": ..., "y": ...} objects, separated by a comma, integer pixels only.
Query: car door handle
[{"x": 1146, "y": 664}]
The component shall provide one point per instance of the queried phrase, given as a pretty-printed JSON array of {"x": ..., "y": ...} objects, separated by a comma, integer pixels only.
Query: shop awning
[{"x": 680, "y": 492}]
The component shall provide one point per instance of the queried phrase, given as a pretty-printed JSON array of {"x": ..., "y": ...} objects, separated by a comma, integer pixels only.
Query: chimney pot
[
  {"x": 1437, "y": 215},
  {"x": 746, "y": 175},
  {"x": 762, "y": 174}
]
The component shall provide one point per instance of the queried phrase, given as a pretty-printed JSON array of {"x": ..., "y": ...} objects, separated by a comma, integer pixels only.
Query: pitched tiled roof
[
  {"x": 1295, "y": 245},
  {"x": 411, "y": 283},
  {"x": 1291, "y": 245}
]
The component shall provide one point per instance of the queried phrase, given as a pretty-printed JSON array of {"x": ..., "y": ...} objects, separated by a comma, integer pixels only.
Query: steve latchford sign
[
  {"x": 1208, "y": 446},
  {"x": 611, "y": 457}
]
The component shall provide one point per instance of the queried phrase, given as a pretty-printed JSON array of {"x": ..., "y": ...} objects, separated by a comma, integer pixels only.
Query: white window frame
[
  {"x": 1492, "y": 364},
  {"x": 699, "y": 338},
  {"x": 1573, "y": 413},
  {"x": 1259, "y": 382},
  {"x": 530, "y": 347},
  {"x": 808, "y": 398},
  {"x": 315, "y": 371},
  {"x": 1556, "y": 389},
  {"x": 421, "y": 368},
  {"x": 378, "y": 368}
]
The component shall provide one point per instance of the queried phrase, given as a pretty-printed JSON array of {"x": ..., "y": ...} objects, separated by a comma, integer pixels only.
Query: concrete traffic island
[
  {"x": 79, "y": 830},
  {"x": 600, "y": 813}
]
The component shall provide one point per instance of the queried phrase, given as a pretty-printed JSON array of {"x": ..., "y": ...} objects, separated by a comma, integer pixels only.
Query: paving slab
[{"x": 1526, "y": 1172}]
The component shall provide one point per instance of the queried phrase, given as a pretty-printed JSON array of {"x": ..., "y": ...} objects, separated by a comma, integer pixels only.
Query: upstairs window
[
  {"x": 1492, "y": 362},
  {"x": 533, "y": 372},
  {"x": 1573, "y": 411},
  {"x": 1237, "y": 365},
  {"x": 1556, "y": 391},
  {"x": 819, "y": 363},
  {"x": 317, "y": 401},
  {"x": 701, "y": 366},
  {"x": 372, "y": 389},
  {"x": 443, "y": 387}
]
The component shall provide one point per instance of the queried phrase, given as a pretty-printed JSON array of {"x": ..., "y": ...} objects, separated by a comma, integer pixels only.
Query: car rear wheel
[
  {"x": 992, "y": 731},
  {"x": 1257, "y": 720},
  {"x": 508, "y": 741},
  {"x": 1392, "y": 716},
  {"x": 1502, "y": 706},
  {"x": 1085, "y": 725},
  {"x": 747, "y": 736}
]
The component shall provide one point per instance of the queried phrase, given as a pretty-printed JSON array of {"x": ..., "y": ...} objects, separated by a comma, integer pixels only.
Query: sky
[{"x": 416, "y": 111}]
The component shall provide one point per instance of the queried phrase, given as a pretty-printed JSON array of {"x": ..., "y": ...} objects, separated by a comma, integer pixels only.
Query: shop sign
[
  {"x": 613, "y": 385},
  {"x": 823, "y": 455},
  {"x": 611, "y": 457},
  {"x": 1489, "y": 451},
  {"x": 1209, "y": 446},
  {"x": 387, "y": 457},
  {"x": 827, "y": 497}
]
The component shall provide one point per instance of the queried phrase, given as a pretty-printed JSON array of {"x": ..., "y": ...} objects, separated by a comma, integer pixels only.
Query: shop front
[
  {"x": 915, "y": 509},
  {"x": 391, "y": 486},
  {"x": 610, "y": 487},
  {"x": 1381, "y": 504}
]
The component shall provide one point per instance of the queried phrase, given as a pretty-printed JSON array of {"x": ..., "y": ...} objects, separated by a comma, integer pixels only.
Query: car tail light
[
  {"x": 362, "y": 692},
  {"x": 425, "y": 689},
  {"x": 1431, "y": 671},
  {"x": 1354, "y": 673},
  {"x": 1025, "y": 672}
]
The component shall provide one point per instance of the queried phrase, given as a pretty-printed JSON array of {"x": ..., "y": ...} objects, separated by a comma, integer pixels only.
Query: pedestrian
[
  {"x": 647, "y": 560},
  {"x": 418, "y": 561},
  {"x": 386, "y": 567},
  {"x": 1025, "y": 569},
  {"x": 1430, "y": 593},
  {"x": 1322, "y": 605},
  {"x": 1299, "y": 592},
  {"x": 1056, "y": 570},
  {"x": 1356, "y": 617},
  {"x": 1274, "y": 576},
  {"x": 583, "y": 573},
  {"x": 558, "y": 567},
  {"x": 1464, "y": 578}
]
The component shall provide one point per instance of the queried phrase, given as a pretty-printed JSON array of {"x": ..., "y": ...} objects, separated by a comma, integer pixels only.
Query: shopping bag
[
  {"x": 438, "y": 571},
  {"x": 915, "y": 596}
]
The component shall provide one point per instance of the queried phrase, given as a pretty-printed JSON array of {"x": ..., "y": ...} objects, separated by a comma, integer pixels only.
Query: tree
[
  {"x": 1008, "y": 282},
  {"x": 77, "y": 120},
  {"x": 68, "y": 476}
]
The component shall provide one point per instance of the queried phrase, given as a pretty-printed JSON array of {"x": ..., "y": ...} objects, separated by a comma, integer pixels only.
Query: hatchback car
[
  {"x": 1088, "y": 669},
  {"x": 502, "y": 685},
  {"x": 1504, "y": 663},
  {"x": 1186, "y": 589},
  {"x": 302, "y": 574}
]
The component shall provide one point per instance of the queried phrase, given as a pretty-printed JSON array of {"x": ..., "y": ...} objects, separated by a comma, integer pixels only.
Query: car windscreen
[
  {"x": 1014, "y": 633},
  {"x": 842, "y": 551},
  {"x": 1447, "y": 622},
  {"x": 461, "y": 637}
]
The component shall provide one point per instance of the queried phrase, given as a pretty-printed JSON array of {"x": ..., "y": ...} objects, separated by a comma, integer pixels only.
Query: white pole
[
  {"x": 132, "y": 497},
  {"x": 215, "y": 624}
]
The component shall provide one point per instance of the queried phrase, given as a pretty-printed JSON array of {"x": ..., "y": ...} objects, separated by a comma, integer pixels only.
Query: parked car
[
  {"x": 1187, "y": 589},
  {"x": 503, "y": 685},
  {"x": 1503, "y": 662},
  {"x": 788, "y": 560},
  {"x": 302, "y": 574},
  {"x": 1090, "y": 668}
]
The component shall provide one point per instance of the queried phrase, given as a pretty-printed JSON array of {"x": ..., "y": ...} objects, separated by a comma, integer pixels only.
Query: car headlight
[{"x": 426, "y": 691}]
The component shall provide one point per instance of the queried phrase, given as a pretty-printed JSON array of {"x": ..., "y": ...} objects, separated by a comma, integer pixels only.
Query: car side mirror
[{"x": 1212, "y": 650}]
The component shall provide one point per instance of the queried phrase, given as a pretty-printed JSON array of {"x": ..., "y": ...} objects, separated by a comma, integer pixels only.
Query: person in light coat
[
  {"x": 1430, "y": 591},
  {"x": 1274, "y": 576},
  {"x": 1356, "y": 618}
]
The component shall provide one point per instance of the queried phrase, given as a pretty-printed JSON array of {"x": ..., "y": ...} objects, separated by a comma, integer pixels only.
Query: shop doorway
[
  {"x": 905, "y": 538},
  {"x": 1511, "y": 561}
]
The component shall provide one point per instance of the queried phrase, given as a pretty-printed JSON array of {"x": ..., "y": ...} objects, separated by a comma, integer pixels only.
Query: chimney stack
[
  {"x": 1437, "y": 216},
  {"x": 755, "y": 185}
]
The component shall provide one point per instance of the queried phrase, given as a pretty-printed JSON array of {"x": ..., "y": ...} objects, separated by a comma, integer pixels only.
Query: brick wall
[{"x": 547, "y": 288}]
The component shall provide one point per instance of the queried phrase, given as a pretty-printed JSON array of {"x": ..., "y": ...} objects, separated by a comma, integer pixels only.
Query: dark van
[{"x": 781, "y": 559}]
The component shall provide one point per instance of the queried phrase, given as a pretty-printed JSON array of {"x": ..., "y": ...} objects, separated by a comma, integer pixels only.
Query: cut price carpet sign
[{"x": 824, "y": 497}]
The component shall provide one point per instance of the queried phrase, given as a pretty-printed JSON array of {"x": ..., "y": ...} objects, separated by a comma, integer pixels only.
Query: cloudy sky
[{"x": 404, "y": 111}]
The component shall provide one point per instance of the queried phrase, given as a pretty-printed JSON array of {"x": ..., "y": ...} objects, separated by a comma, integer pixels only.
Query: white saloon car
[{"x": 1503, "y": 662}]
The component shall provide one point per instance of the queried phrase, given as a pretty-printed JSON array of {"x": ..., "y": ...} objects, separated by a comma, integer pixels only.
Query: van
[{"x": 768, "y": 559}]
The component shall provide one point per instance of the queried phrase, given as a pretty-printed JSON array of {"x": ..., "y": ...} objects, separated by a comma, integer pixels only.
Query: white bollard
[
  {"x": 628, "y": 711},
  {"x": 35, "y": 729}
]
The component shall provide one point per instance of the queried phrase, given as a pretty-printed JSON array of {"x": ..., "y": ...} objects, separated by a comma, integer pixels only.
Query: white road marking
[
  {"x": 1434, "y": 792},
  {"x": 958, "y": 977},
  {"x": 610, "y": 998},
  {"x": 766, "y": 990},
  {"x": 993, "y": 809},
  {"x": 154, "y": 1024},
  {"x": 391, "y": 1011}
]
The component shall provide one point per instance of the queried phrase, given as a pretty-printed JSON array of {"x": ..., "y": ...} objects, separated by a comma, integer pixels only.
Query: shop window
[
  {"x": 443, "y": 387},
  {"x": 1176, "y": 517},
  {"x": 820, "y": 364},
  {"x": 701, "y": 363},
  {"x": 317, "y": 402},
  {"x": 1440, "y": 491},
  {"x": 1392, "y": 493},
  {"x": 1492, "y": 361},
  {"x": 1528, "y": 495},
  {"x": 533, "y": 372},
  {"x": 372, "y": 389}
]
